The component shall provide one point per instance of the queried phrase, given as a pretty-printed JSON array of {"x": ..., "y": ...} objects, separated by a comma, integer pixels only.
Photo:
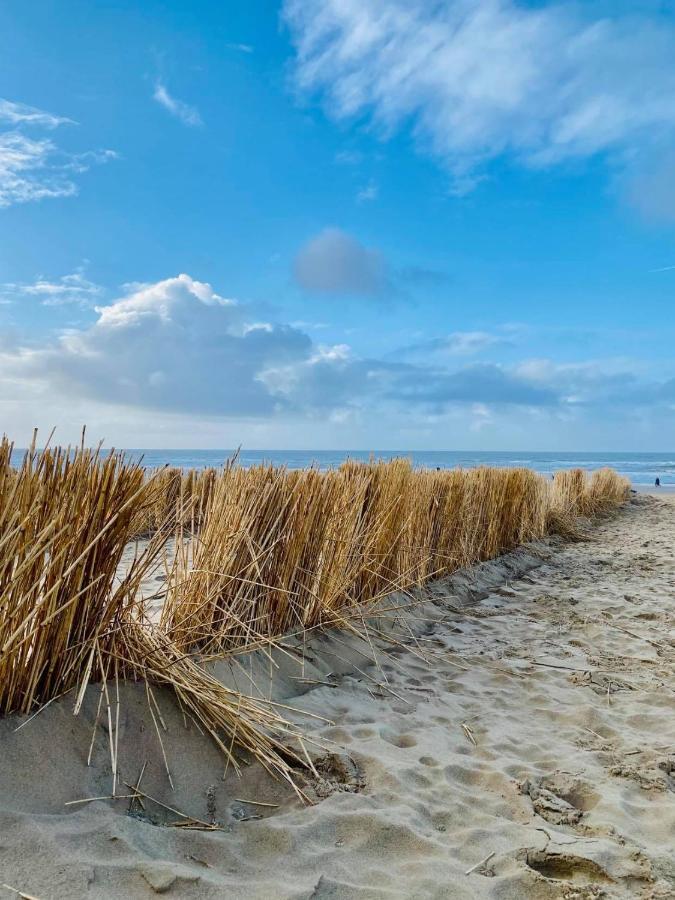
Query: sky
[{"x": 330, "y": 224}]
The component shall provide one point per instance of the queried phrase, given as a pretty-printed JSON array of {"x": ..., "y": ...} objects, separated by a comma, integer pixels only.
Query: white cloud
[
  {"x": 172, "y": 345},
  {"x": 348, "y": 157},
  {"x": 242, "y": 48},
  {"x": 35, "y": 168},
  {"x": 73, "y": 289},
  {"x": 187, "y": 114},
  {"x": 334, "y": 262},
  {"x": 176, "y": 345},
  {"x": 544, "y": 83},
  {"x": 19, "y": 113},
  {"x": 26, "y": 173},
  {"x": 175, "y": 354},
  {"x": 367, "y": 192},
  {"x": 469, "y": 342},
  {"x": 458, "y": 343},
  {"x": 466, "y": 343}
]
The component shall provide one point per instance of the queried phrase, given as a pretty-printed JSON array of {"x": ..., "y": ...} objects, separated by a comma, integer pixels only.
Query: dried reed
[
  {"x": 259, "y": 552},
  {"x": 65, "y": 518},
  {"x": 281, "y": 550}
]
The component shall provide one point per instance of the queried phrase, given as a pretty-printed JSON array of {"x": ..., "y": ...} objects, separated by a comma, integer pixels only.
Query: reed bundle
[
  {"x": 277, "y": 550},
  {"x": 65, "y": 520},
  {"x": 282, "y": 550},
  {"x": 179, "y": 498}
]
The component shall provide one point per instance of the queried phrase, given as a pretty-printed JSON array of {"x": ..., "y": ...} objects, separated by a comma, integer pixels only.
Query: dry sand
[{"x": 521, "y": 746}]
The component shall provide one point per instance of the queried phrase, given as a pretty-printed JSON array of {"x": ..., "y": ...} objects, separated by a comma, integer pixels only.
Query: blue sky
[{"x": 330, "y": 224}]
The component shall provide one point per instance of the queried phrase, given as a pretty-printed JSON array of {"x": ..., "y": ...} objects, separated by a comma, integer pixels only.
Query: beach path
[{"x": 521, "y": 747}]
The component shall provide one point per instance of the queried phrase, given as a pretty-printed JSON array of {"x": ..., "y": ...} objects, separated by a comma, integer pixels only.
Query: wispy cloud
[
  {"x": 19, "y": 113},
  {"x": 74, "y": 289},
  {"x": 458, "y": 343},
  {"x": 543, "y": 83},
  {"x": 187, "y": 114},
  {"x": 367, "y": 192},
  {"x": 348, "y": 157},
  {"x": 35, "y": 168},
  {"x": 242, "y": 48}
]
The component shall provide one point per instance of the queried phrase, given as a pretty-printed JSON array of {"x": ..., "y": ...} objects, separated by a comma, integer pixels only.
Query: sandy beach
[{"x": 517, "y": 742}]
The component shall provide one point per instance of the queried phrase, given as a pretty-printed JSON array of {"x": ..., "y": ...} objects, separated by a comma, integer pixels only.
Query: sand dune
[{"x": 518, "y": 742}]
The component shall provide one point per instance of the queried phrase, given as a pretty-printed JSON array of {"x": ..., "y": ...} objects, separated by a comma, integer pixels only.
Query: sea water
[{"x": 640, "y": 468}]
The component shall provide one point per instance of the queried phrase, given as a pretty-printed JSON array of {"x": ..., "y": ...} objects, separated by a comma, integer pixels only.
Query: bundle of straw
[{"x": 65, "y": 519}]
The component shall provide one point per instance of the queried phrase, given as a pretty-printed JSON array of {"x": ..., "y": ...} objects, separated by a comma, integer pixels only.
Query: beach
[{"x": 516, "y": 741}]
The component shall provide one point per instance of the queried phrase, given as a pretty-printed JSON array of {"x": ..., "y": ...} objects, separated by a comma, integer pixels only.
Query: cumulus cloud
[
  {"x": 544, "y": 83},
  {"x": 601, "y": 384},
  {"x": 187, "y": 114},
  {"x": 74, "y": 289},
  {"x": 479, "y": 383},
  {"x": 334, "y": 262},
  {"x": 178, "y": 348},
  {"x": 176, "y": 345},
  {"x": 36, "y": 168},
  {"x": 173, "y": 345}
]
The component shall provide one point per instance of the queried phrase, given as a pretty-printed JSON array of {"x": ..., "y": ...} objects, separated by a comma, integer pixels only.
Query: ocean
[{"x": 641, "y": 468}]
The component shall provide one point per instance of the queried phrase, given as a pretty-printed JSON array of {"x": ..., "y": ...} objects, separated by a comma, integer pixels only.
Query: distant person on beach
[{"x": 657, "y": 483}]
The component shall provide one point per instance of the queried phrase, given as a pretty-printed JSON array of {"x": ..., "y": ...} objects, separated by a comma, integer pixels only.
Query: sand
[{"x": 518, "y": 743}]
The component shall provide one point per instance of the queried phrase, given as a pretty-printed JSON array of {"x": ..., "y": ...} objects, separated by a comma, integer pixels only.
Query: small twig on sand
[
  {"x": 137, "y": 796},
  {"x": 177, "y": 812},
  {"x": 35, "y": 714},
  {"x": 20, "y": 893},
  {"x": 93, "y": 799},
  {"x": 257, "y": 803},
  {"x": 480, "y": 864},
  {"x": 469, "y": 734}
]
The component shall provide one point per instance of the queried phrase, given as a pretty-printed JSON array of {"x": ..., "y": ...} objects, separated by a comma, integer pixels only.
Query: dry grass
[
  {"x": 260, "y": 552},
  {"x": 178, "y": 498},
  {"x": 285, "y": 550},
  {"x": 65, "y": 519},
  {"x": 233, "y": 720}
]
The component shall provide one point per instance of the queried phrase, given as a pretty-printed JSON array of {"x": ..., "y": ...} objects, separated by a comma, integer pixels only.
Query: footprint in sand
[
  {"x": 566, "y": 867},
  {"x": 364, "y": 733},
  {"x": 338, "y": 773},
  {"x": 560, "y": 798},
  {"x": 429, "y": 761},
  {"x": 397, "y": 740}
]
